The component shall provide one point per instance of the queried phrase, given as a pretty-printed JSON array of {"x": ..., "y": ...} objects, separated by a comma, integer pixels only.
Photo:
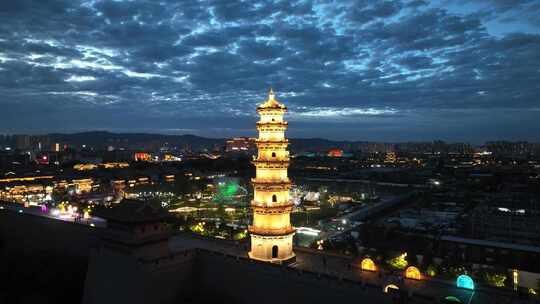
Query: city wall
[
  {"x": 34, "y": 234},
  {"x": 240, "y": 280}
]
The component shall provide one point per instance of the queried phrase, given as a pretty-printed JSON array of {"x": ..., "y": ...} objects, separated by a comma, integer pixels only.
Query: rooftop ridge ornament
[{"x": 271, "y": 102}]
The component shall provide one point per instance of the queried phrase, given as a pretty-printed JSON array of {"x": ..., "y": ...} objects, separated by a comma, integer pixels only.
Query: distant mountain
[{"x": 103, "y": 139}]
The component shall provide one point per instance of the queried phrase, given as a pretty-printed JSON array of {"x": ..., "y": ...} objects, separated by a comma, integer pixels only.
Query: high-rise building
[
  {"x": 22, "y": 142},
  {"x": 271, "y": 231}
]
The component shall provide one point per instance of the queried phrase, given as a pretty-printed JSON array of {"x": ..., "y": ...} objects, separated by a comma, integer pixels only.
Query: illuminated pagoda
[{"x": 271, "y": 231}]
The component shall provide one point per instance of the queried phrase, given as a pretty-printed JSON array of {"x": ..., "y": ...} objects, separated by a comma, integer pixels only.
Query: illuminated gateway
[{"x": 271, "y": 232}]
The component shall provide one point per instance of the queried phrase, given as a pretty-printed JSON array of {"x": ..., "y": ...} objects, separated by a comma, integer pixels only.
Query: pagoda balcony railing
[
  {"x": 270, "y": 142},
  {"x": 271, "y": 129},
  {"x": 272, "y": 206},
  {"x": 272, "y": 123},
  {"x": 262, "y": 181},
  {"x": 281, "y": 160},
  {"x": 270, "y": 232},
  {"x": 276, "y": 109}
]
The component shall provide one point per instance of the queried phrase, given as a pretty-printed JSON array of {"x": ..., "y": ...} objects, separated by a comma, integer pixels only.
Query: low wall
[
  {"x": 34, "y": 234},
  {"x": 240, "y": 280}
]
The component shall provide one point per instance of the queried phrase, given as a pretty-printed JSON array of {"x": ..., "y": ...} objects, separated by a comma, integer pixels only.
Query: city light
[
  {"x": 465, "y": 281},
  {"x": 308, "y": 231},
  {"x": 368, "y": 265},
  {"x": 390, "y": 287},
  {"x": 413, "y": 273}
]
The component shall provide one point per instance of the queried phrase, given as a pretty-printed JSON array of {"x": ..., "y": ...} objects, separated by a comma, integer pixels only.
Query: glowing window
[
  {"x": 368, "y": 264},
  {"x": 390, "y": 287},
  {"x": 465, "y": 281},
  {"x": 413, "y": 273}
]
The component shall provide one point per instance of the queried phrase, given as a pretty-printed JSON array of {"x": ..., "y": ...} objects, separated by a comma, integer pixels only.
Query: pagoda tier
[
  {"x": 272, "y": 127},
  {"x": 272, "y": 209},
  {"x": 269, "y": 182},
  {"x": 276, "y": 144},
  {"x": 271, "y": 164},
  {"x": 271, "y": 231},
  {"x": 272, "y": 124}
]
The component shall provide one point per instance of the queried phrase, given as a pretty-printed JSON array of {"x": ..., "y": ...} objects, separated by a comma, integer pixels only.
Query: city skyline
[{"x": 393, "y": 71}]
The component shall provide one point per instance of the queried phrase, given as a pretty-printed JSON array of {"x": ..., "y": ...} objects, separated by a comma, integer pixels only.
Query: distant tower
[{"x": 271, "y": 232}]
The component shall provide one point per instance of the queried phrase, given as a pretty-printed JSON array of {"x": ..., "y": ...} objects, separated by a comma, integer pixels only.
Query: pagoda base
[
  {"x": 286, "y": 261},
  {"x": 273, "y": 249}
]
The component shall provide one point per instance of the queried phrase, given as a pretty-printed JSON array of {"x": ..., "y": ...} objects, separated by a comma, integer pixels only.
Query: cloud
[{"x": 205, "y": 65}]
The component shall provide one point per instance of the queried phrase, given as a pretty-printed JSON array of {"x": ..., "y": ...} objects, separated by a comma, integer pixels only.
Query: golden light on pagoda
[{"x": 271, "y": 232}]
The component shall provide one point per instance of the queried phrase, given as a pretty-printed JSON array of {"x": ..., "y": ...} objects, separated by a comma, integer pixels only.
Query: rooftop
[{"x": 134, "y": 211}]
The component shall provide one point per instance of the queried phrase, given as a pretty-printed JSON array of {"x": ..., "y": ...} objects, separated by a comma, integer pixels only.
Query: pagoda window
[
  {"x": 274, "y": 198},
  {"x": 273, "y": 154}
]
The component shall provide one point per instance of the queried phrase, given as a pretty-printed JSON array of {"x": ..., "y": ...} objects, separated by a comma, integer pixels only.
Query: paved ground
[
  {"x": 341, "y": 267},
  {"x": 36, "y": 211}
]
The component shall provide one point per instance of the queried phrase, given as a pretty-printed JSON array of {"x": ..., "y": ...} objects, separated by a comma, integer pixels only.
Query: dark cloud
[{"x": 392, "y": 68}]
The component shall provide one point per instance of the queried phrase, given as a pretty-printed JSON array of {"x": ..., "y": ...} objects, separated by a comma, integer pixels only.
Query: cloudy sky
[{"x": 457, "y": 70}]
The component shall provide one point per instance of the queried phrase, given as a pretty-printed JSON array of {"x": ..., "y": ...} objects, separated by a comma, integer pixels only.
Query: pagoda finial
[{"x": 271, "y": 94}]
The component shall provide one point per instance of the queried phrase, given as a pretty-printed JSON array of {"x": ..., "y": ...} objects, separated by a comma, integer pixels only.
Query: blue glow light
[{"x": 465, "y": 281}]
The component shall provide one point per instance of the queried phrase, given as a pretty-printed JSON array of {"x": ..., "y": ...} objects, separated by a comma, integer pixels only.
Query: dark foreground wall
[
  {"x": 42, "y": 260},
  {"x": 113, "y": 279},
  {"x": 237, "y": 280},
  {"x": 34, "y": 234}
]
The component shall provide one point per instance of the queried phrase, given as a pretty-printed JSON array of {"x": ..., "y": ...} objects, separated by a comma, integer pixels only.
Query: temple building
[{"x": 271, "y": 231}]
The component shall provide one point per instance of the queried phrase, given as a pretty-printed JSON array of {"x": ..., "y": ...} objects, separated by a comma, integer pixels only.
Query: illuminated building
[
  {"x": 271, "y": 231},
  {"x": 25, "y": 179},
  {"x": 170, "y": 157},
  {"x": 142, "y": 156},
  {"x": 390, "y": 157},
  {"x": 115, "y": 165},
  {"x": 335, "y": 153},
  {"x": 27, "y": 193},
  {"x": 240, "y": 144},
  {"x": 84, "y": 167},
  {"x": 83, "y": 185}
]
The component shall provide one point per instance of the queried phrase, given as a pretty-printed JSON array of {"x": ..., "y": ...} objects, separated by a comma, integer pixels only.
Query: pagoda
[{"x": 271, "y": 231}]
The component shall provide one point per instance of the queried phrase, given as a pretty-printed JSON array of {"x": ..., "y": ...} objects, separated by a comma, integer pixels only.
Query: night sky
[{"x": 399, "y": 70}]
